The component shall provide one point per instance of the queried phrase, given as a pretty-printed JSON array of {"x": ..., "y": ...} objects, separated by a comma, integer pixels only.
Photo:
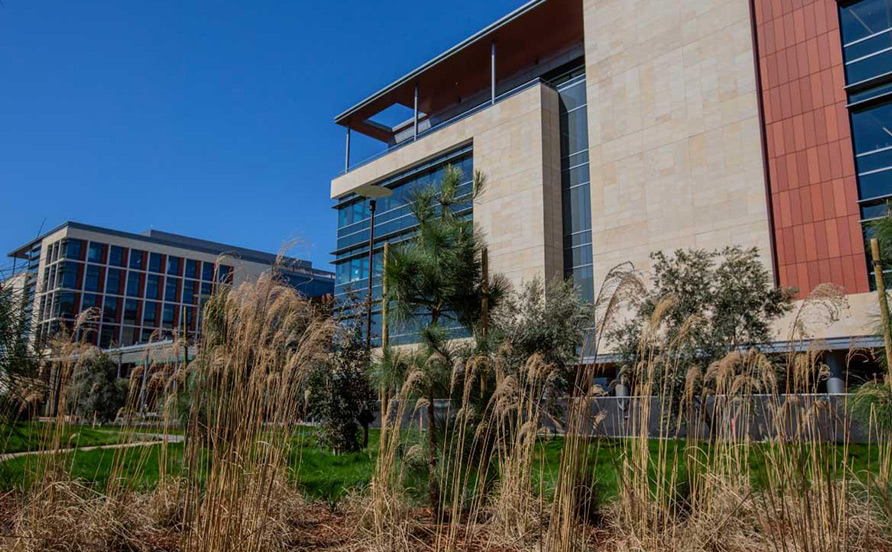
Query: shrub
[
  {"x": 94, "y": 391},
  {"x": 340, "y": 395}
]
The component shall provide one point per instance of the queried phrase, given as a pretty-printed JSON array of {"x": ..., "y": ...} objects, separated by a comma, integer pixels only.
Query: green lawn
[
  {"x": 329, "y": 477},
  {"x": 29, "y": 436}
]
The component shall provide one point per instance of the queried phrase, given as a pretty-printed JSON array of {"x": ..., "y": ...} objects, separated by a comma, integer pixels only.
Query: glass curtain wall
[
  {"x": 866, "y": 28},
  {"x": 394, "y": 223},
  {"x": 575, "y": 181}
]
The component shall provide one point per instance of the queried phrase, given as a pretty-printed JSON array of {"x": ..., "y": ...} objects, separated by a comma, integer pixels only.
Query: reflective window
[
  {"x": 116, "y": 255},
  {"x": 137, "y": 259},
  {"x": 191, "y": 270},
  {"x": 189, "y": 289},
  {"x": 170, "y": 289},
  {"x": 94, "y": 254},
  {"x": 173, "y": 265},
  {"x": 156, "y": 262},
  {"x": 69, "y": 274},
  {"x": 74, "y": 249},
  {"x": 150, "y": 314},
  {"x": 153, "y": 286},
  {"x": 575, "y": 183},
  {"x": 108, "y": 336},
  {"x": 167, "y": 316},
  {"x": 147, "y": 335},
  {"x": 224, "y": 274},
  {"x": 90, "y": 301},
  {"x": 134, "y": 287},
  {"x": 872, "y": 129},
  {"x": 867, "y": 36},
  {"x": 110, "y": 309},
  {"x": 66, "y": 305},
  {"x": 114, "y": 281},
  {"x": 93, "y": 278},
  {"x": 866, "y": 28},
  {"x": 131, "y": 311},
  {"x": 207, "y": 271}
]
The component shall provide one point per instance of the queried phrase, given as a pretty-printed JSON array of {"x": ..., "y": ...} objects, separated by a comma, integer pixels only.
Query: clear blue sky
[{"x": 212, "y": 119}]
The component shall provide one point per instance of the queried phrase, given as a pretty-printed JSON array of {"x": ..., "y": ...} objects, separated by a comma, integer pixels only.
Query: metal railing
[{"x": 443, "y": 124}]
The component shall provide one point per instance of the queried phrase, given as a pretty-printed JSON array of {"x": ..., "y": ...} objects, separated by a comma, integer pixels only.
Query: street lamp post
[{"x": 372, "y": 193}]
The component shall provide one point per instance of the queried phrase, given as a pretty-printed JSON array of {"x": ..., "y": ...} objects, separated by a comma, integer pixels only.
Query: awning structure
[{"x": 535, "y": 32}]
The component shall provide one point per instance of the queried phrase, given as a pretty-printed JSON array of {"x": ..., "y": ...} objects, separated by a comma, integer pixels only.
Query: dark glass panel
[
  {"x": 69, "y": 274},
  {"x": 113, "y": 281},
  {"x": 137, "y": 259},
  {"x": 110, "y": 309},
  {"x": 153, "y": 286},
  {"x": 224, "y": 274},
  {"x": 66, "y": 306},
  {"x": 131, "y": 311},
  {"x": 173, "y": 265},
  {"x": 189, "y": 289},
  {"x": 191, "y": 270},
  {"x": 167, "y": 316},
  {"x": 94, "y": 254},
  {"x": 116, "y": 255},
  {"x": 74, "y": 249},
  {"x": 90, "y": 301},
  {"x": 134, "y": 287},
  {"x": 108, "y": 336},
  {"x": 207, "y": 271},
  {"x": 150, "y": 314},
  {"x": 875, "y": 211},
  {"x": 156, "y": 262},
  {"x": 93, "y": 278},
  {"x": 170, "y": 289}
]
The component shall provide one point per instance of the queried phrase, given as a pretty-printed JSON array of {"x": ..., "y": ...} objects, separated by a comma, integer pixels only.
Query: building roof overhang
[{"x": 523, "y": 38}]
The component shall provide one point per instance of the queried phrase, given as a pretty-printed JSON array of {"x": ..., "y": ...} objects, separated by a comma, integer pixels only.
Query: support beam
[
  {"x": 493, "y": 73},
  {"x": 836, "y": 383},
  {"x": 415, "y": 135},
  {"x": 347, "y": 153}
]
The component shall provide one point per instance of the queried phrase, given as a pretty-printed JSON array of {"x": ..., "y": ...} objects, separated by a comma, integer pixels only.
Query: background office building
[
  {"x": 611, "y": 129},
  {"x": 146, "y": 287}
]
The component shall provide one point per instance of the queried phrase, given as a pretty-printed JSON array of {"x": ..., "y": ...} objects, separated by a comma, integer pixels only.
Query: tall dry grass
[
  {"x": 241, "y": 396},
  {"x": 685, "y": 480}
]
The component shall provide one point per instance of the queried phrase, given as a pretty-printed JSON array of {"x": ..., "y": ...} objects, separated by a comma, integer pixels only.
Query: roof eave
[{"x": 532, "y": 4}]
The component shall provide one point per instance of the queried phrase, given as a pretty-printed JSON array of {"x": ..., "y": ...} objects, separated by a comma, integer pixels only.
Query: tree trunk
[{"x": 365, "y": 435}]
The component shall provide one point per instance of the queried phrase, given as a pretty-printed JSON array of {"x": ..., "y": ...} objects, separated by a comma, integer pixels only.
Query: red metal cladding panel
[{"x": 808, "y": 139}]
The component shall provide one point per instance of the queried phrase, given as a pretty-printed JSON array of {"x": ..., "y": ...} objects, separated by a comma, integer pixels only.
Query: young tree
[
  {"x": 435, "y": 280},
  {"x": 340, "y": 394},
  {"x": 710, "y": 303},
  {"x": 548, "y": 320},
  {"x": 94, "y": 391}
]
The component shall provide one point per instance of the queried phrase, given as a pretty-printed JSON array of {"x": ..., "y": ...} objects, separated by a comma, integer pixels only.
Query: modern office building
[
  {"x": 146, "y": 286},
  {"x": 610, "y": 129}
]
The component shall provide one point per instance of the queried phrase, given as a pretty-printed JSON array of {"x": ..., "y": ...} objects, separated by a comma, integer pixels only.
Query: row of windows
[
  {"x": 135, "y": 259},
  {"x": 114, "y": 281},
  {"x": 68, "y": 304},
  {"x": 111, "y": 335},
  {"x": 352, "y": 216},
  {"x": 866, "y": 28}
]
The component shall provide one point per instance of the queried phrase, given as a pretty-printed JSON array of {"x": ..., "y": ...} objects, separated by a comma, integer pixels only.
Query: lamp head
[{"x": 373, "y": 192}]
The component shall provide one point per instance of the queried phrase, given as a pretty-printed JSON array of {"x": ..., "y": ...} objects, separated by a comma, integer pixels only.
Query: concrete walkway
[{"x": 155, "y": 440}]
